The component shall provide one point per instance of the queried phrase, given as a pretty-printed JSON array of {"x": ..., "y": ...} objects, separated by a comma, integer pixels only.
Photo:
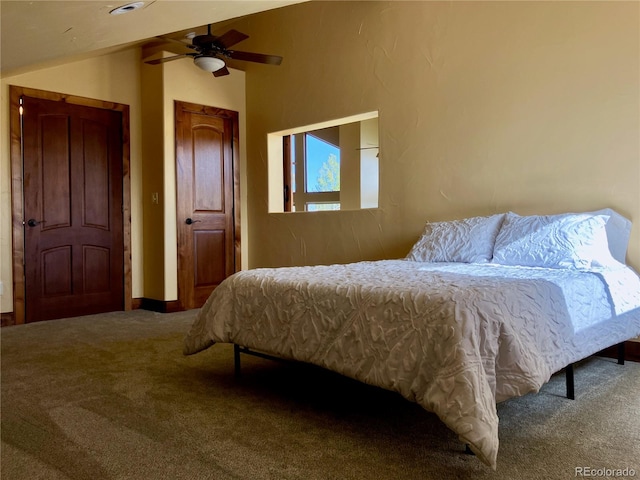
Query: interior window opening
[{"x": 332, "y": 167}]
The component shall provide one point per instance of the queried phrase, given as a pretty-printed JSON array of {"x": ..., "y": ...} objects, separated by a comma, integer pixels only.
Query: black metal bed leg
[
  {"x": 236, "y": 359},
  {"x": 621, "y": 353},
  {"x": 568, "y": 371}
]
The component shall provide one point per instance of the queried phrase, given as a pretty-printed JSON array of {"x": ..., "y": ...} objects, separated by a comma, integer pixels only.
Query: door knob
[
  {"x": 189, "y": 221},
  {"x": 32, "y": 222}
]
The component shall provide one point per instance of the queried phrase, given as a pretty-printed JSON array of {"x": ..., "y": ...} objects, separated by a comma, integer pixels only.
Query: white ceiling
[{"x": 36, "y": 34}]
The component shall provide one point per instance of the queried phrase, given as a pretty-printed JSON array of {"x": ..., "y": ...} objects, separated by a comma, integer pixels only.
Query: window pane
[
  {"x": 316, "y": 207},
  {"x": 323, "y": 165}
]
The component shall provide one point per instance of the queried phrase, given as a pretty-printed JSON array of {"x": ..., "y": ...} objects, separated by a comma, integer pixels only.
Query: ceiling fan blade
[
  {"x": 231, "y": 38},
  {"x": 222, "y": 72},
  {"x": 166, "y": 59},
  {"x": 176, "y": 42},
  {"x": 202, "y": 41},
  {"x": 255, "y": 57}
]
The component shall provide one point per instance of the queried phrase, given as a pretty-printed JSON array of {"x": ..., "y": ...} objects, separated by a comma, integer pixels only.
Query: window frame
[{"x": 298, "y": 199}]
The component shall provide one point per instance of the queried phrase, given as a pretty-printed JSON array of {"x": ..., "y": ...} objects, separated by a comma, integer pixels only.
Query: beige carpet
[{"x": 112, "y": 397}]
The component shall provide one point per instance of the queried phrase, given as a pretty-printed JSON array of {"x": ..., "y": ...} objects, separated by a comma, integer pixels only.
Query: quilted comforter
[{"x": 455, "y": 338}]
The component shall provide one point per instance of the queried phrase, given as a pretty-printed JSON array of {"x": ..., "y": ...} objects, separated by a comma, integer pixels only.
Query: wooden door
[
  {"x": 73, "y": 201},
  {"x": 206, "y": 145}
]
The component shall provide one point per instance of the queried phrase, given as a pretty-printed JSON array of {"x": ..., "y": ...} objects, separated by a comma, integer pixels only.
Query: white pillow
[
  {"x": 553, "y": 241},
  {"x": 618, "y": 233},
  {"x": 469, "y": 240}
]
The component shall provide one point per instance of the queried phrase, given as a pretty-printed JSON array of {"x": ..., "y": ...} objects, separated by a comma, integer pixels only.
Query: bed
[{"x": 481, "y": 310}]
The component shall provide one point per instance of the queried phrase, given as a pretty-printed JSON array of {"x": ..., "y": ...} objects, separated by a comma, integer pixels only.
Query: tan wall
[
  {"x": 112, "y": 78},
  {"x": 153, "y": 167},
  {"x": 484, "y": 107}
]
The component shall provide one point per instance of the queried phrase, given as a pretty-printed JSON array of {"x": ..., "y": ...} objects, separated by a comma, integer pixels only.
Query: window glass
[
  {"x": 317, "y": 207},
  {"x": 322, "y": 161}
]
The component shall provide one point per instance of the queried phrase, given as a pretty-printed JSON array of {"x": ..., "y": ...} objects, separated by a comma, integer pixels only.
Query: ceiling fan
[{"x": 211, "y": 52}]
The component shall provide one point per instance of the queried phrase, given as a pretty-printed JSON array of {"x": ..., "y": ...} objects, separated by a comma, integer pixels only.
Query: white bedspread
[{"x": 455, "y": 338}]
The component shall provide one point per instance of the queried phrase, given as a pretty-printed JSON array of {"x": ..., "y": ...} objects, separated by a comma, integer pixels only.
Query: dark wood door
[
  {"x": 74, "y": 243},
  {"x": 206, "y": 141}
]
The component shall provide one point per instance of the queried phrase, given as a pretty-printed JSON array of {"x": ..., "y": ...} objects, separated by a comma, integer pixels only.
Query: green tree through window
[{"x": 328, "y": 179}]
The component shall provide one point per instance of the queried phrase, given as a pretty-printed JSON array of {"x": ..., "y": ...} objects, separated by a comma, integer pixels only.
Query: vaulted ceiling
[{"x": 37, "y": 34}]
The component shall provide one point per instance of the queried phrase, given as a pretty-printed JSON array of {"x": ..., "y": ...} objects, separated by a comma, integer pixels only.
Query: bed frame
[{"x": 568, "y": 370}]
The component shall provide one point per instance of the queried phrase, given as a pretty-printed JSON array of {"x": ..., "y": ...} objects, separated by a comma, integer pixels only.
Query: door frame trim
[{"x": 17, "y": 197}]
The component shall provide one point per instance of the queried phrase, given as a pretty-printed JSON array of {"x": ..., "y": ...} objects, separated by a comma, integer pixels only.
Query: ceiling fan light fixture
[{"x": 209, "y": 64}]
